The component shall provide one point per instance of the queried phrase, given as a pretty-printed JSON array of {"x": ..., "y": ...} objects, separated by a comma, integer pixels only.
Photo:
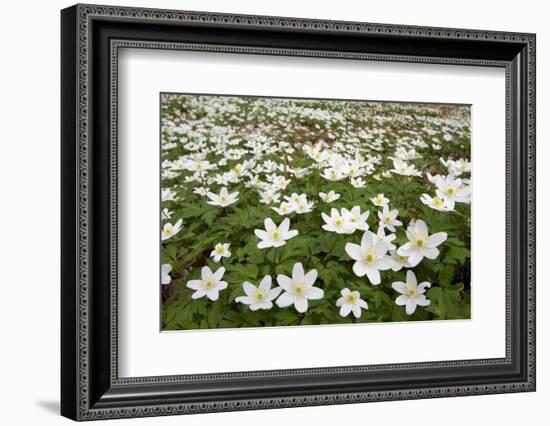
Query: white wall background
[{"x": 29, "y": 212}]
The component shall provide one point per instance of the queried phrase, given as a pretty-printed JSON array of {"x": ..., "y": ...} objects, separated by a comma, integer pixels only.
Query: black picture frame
[{"x": 90, "y": 386}]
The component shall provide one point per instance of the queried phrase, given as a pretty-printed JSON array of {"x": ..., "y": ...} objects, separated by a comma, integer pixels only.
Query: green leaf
[
  {"x": 209, "y": 216},
  {"x": 456, "y": 254}
]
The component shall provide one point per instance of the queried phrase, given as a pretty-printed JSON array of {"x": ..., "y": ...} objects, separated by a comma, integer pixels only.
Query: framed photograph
[{"x": 263, "y": 212}]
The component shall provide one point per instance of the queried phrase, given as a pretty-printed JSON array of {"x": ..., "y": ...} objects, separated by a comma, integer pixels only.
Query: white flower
[
  {"x": 351, "y": 302},
  {"x": 421, "y": 244},
  {"x": 198, "y": 166},
  {"x": 329, "y": 197},
  {"x": 169, "y": 230},
  {"x": 452, "y": 190},
  {"x": 412, "y": 295},
  {"x": 260, "y": 297},
  {"x": 209, "y": 285},
  {"x": 436, "y": 203},
  {"x": 300, "y": 203},
  {"x": 166, "y": 214},
  {"x": 380, "y": 200},
  {"x": 284, "y": 209},
  {"x": 223, "y": 199},
  {"x": 386, "y": 239},
  {"x": 337, "y": 222},
  {"x": 220, "y": 250},
  {"x": 399, "y": 262},
  {"x": 274, "y": 236},
  {"x": 269, "y": 197},
  {"x": 370, "y": 257},
  {"x": 168, "y": 194},
  {"x": 404, "y": 169},
  {"x": 358, "y": 182},
  {"x": 388, "y": 218},
  {"x": 200, "y": 190},
  {"x": 457, "y": 167},
  {"x": 165, "y": 277},
  {"x": 333, "y": 175},
  {"x": 357, "y": 219},
  {"x": 298, "y": 289}
]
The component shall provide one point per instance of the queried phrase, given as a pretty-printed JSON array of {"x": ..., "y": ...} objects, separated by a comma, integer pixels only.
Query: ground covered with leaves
[{"x": 280, "y": 212}]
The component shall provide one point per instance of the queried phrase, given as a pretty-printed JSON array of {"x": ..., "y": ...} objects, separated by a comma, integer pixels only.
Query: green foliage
[{"x": 204, "y": 225}]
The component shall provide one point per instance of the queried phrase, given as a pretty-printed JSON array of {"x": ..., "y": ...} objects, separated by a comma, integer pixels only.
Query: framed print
[{"x": 263, "y": 212}]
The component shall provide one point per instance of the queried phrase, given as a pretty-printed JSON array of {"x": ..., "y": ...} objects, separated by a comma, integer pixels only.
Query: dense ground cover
[{"x": 290, "y": 212}]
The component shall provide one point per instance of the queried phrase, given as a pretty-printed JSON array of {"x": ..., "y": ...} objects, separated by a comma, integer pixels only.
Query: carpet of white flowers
[{"x": 283, "y": 212}]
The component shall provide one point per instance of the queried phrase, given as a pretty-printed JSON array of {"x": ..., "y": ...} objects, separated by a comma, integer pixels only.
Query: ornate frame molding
[{"x": 79, "y": 21}]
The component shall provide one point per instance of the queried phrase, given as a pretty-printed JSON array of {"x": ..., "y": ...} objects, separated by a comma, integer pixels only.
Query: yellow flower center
[
  {"x": 260, "y": 296},
  {"x": 369, "y": 257},
  {"x": 220, "y": 249},
  {"x": 223, "y": 198},
  {"x": 276, "y": 235},
  {"x": 438, "y": 202},
  {"x": 299, "y": 288},
  {"x": 352, "y": 298},
  {"x": 387, "y": 219},
  {"x": 420, "y": 243},
  {"x": 339, "y": 221},
  {"x": 451, "y": 191},
  {"x": 209, "y": 283},
  {"x": 410, "y": 291}
]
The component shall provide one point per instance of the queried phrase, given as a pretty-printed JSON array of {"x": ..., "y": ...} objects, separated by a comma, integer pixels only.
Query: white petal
[
  {"x": 198, "y": 294},
  {"x": 410, "y": 306},
  {"x": 310, "y": 277},
  {"x": 314, "y": 293},
  {"x": 219, "y": 274},
  {"x": 354, "y": 251},
  {"x": 362, "y": 304},
  {"x": 206, "y": 273},
  {"x": 273, "y": 293},
  {"x": 290, "y": 234},
  {"x": 345, "y": 310},
  {"x": 269, "y": 224},
  {"x": 300, "y": 304},
  {"x": 249, "y": 288},
  {"x": 384, "y": 263},
  {"x": 265, "y": 284},
  {"x": 414, "y": 258},
  {"x": 265, "y": 244},
  {"x": 285, "y": 299},
  {"x": 430, "y": 253},
  {"x": 194, "y": 284},
  {"x": 298, "y": 272},
  {"x": 285, "y": 282},
  {"x": 359, "y": 268},
  {"x": 399, "y": 286},
  {"x": 244, "y": 299},
  {"x": 405, "y": 250},
  {"x": 422, "y": 301},
  {"x": 411, "y": 278},
  {"x": 261, "y": 234},
  {"x": 420, "y": 226},
  {"x": 401, "y": 300},
  {"x": 373, "y": 275},
  {"x": 285, "y": 225},
  {"x": 436, "y": 239}
]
